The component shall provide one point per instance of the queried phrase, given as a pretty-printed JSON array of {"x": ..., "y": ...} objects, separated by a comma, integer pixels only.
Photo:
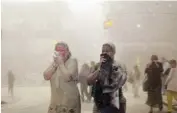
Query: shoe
[{"x": 150, "y": 111}]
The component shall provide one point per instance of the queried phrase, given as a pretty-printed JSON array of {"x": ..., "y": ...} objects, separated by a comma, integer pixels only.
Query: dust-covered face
[
  {"x": 106, "y": 49},
  {"x": 63, "y": 52}
]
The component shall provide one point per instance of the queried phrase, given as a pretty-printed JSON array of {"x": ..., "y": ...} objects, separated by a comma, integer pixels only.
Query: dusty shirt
[
  {"x": 118, "y": 78},
  {"x": 65, "y": 93}
]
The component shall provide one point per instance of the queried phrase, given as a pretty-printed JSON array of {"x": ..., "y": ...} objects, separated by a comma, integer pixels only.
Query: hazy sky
[{"x": 30, "y": 30}]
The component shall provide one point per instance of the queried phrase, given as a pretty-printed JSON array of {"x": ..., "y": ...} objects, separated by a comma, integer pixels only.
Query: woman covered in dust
[
  {"x": 62, "y": 73},
  {"x": 84, "y": 72}
]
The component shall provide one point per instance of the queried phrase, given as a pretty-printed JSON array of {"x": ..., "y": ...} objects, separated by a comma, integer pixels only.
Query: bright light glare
[
  {"x": 78, "y": 6},
  {"x": 138, "y": 25}
]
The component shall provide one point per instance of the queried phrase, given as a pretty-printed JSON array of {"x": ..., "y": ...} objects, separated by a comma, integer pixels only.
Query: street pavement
[{"x": 36, "y": 100}]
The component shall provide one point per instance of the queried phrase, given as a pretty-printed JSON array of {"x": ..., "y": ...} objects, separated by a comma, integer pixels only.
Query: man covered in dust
[
  {"x": 84, "y": 72},
  {"x": 107, "y": 92},
  {"x": 11, "y": 80}
]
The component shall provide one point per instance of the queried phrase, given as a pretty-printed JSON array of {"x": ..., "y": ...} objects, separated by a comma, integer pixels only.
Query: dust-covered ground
[{"x": 36, "y": 100}]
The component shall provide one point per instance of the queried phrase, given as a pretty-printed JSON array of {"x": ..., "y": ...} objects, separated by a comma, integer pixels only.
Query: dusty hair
[
  {"x": 154, "y": 57},
  {"x": 65, "y": 46},
  {"x": 112, "y": 46}
]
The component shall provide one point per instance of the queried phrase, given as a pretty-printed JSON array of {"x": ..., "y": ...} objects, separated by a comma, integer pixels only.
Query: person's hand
[
  {"x": 102, "y": 59},
  {"x": 59, "y": 60}
]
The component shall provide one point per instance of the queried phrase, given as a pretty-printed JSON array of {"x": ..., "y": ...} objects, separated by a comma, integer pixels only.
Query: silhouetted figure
[
  {"x": 11, "y": 80},
  {"x": 154, "y": 71}
]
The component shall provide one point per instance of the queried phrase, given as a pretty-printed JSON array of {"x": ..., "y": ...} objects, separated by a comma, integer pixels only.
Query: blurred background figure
[
  {"x": 84, "y": 72},
  {"x": 92, "y": 68},
  {"x": 154, "y": 71},
  {"x": 125, "y": 86},
  {"x": 171, "y": 84},
  {"x": 135, "y": 80},
  {"x": 11, "y": 80},
  {"x": 166, "y": 70}
]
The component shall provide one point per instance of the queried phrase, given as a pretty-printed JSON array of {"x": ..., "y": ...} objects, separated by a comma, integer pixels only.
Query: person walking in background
[
  {"x": 166, "y": 70},
  {"x": 136, "y": 80},
  {"x": 171, "y": 85},
  {"x": 154, "y": 71},
  {"x": 92, "y": 69},
  {"x": 11, "y": 80},
  {"x": 125, "y": 86},
  {"x": 84, "y": 72},
  {"x": 92, "y": 66}
]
